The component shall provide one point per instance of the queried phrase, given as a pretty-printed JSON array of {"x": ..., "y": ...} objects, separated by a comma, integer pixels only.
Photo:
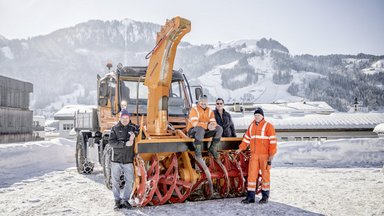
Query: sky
[{"x": 317, "y": 27}]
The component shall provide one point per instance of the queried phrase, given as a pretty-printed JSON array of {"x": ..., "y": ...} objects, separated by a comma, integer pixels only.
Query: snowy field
[
  {"x": 26, "y": 160},
  {"x": 343, "y": 177}
]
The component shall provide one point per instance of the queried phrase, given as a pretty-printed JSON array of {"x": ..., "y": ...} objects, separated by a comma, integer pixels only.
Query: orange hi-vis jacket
[
  {"x": 261, "y": 138},
  {"x": 202, "y": 116}
]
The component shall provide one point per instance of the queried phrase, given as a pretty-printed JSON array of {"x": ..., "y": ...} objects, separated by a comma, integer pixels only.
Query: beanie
[
  {"x": 124, "y": 112},
  {"x": 203, "y": 97},
  {"x": 259, "y": 110}
]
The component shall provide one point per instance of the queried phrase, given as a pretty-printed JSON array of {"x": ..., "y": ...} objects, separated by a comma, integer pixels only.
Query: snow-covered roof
[
  {"x": 38, "y": 117},
  {"x": 272, "y": 109},
  {"x": 317, "y": 121},
  {"x": 305, "y": 107},
  {"x": 69, "y": 110},
  {"x": 379, "y": 129}
]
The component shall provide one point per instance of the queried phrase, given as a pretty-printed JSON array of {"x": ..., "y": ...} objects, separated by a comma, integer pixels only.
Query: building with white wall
[
  {"x": 300, "y": 122},
  {"x": 66, "y": 117}
]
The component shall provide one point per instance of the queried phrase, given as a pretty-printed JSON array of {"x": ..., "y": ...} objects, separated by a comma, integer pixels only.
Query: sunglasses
[{"x": 219, "y": 103}]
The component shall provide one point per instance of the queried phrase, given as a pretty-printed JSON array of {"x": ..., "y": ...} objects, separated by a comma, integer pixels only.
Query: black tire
[
  {"x": 106, "y": 164},
  {"x": 83, "y": 167}
]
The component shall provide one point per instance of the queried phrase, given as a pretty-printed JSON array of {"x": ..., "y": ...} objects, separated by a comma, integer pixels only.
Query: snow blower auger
[{"x": 159, "y": 99}]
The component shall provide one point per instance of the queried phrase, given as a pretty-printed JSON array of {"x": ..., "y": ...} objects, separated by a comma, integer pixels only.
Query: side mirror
[
  {"x": 103, "y": 102},
  {"x": 198, "y": 93},
  {"x": 103, "y": 89}
]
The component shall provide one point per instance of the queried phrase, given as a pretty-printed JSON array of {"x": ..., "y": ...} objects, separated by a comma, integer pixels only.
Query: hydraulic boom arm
[{"x": 159, "y": 73}]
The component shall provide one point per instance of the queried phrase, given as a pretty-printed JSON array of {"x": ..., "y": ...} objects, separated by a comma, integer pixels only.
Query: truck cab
[{"x": 124, "y": 88}]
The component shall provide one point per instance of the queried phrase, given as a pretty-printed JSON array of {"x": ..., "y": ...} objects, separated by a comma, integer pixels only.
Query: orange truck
[{"x": 159, "y": 99}]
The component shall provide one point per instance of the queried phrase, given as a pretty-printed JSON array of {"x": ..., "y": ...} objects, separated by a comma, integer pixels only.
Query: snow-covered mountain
[
  {"x": 67, "y": 60},
  {"x": 63, "y": 66}
]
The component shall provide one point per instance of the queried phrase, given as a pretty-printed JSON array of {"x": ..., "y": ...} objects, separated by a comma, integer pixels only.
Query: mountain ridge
[{"x": 58, "y": 62}]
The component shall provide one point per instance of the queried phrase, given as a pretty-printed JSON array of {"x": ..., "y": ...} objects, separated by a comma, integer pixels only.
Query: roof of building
[
  {"x": 18, "y": 84},
  {"x": 70, "y": 110},
  {"x": 320, "y": 107},
  {"x": 317, "y": 121},
  {"x": 38, "y": 117}
]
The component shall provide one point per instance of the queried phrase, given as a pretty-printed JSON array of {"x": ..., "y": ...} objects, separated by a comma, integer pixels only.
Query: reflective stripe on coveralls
[
  {"x": 200, "y": 116},
  {"x": 262, "y": 141}
]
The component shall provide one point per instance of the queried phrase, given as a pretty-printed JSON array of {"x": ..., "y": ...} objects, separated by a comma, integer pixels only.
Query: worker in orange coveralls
[{"x": 261, "y": 139}]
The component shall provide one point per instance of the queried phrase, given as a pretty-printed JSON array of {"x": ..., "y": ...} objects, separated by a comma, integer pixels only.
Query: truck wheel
[
  {"x": 106, "y": 163},
  {"x": 83, "y": 166}
]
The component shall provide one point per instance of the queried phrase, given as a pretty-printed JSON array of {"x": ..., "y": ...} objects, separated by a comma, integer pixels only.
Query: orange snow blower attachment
[{"x": 159, "y": 100}]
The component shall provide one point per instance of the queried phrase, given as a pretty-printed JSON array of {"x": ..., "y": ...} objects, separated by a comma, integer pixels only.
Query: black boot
[
  {"x": 126, "y": 205},
  {"x": 117, "y": 204},
  {"x": 250, "y": 198},
  {"x": 197, "y": 145},
  {"x": 212, "y": 148},
  {"x": 264, "y": 197}
]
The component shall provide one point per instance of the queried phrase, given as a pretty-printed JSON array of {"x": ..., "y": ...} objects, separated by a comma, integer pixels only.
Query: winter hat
[
  {"x": 203, "y": 97},
  {"x": 259, "y": 110},
  {"x": 124, "y": 112}
]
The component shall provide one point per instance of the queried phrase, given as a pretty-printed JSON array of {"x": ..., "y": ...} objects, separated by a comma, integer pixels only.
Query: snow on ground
[
  {"x": 295, "y": 191},
  {"x": 41, "y": 179},
  {"x": 26, "y": 160},
  {"x": 363, "y": 152}
]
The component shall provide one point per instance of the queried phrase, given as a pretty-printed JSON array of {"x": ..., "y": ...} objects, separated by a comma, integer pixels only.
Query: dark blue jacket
[
  {"x": 226, "y": 123},
  {"x": 117, "y": 138}
]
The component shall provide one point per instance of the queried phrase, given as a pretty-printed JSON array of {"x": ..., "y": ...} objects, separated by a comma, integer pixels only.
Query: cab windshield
[{"x": 136, "y": 95}]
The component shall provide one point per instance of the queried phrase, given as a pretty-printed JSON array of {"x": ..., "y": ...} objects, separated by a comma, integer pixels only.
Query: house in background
[
  {"x": 357, "y": 106},
  {"x": 66, "y": 117},
  {"x": 15, "y": 116},
  {"x": 280, "y": 109},
  {"x": 311, "y": 121}
]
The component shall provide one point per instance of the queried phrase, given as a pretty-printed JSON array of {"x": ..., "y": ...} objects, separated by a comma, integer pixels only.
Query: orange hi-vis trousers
[
  {"x": 256, "y": 163},
  {"x": 261, "y": 139}
]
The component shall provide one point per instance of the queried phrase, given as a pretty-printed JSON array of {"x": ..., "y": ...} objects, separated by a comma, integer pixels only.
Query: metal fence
[{"x": 86, "y": 120}]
